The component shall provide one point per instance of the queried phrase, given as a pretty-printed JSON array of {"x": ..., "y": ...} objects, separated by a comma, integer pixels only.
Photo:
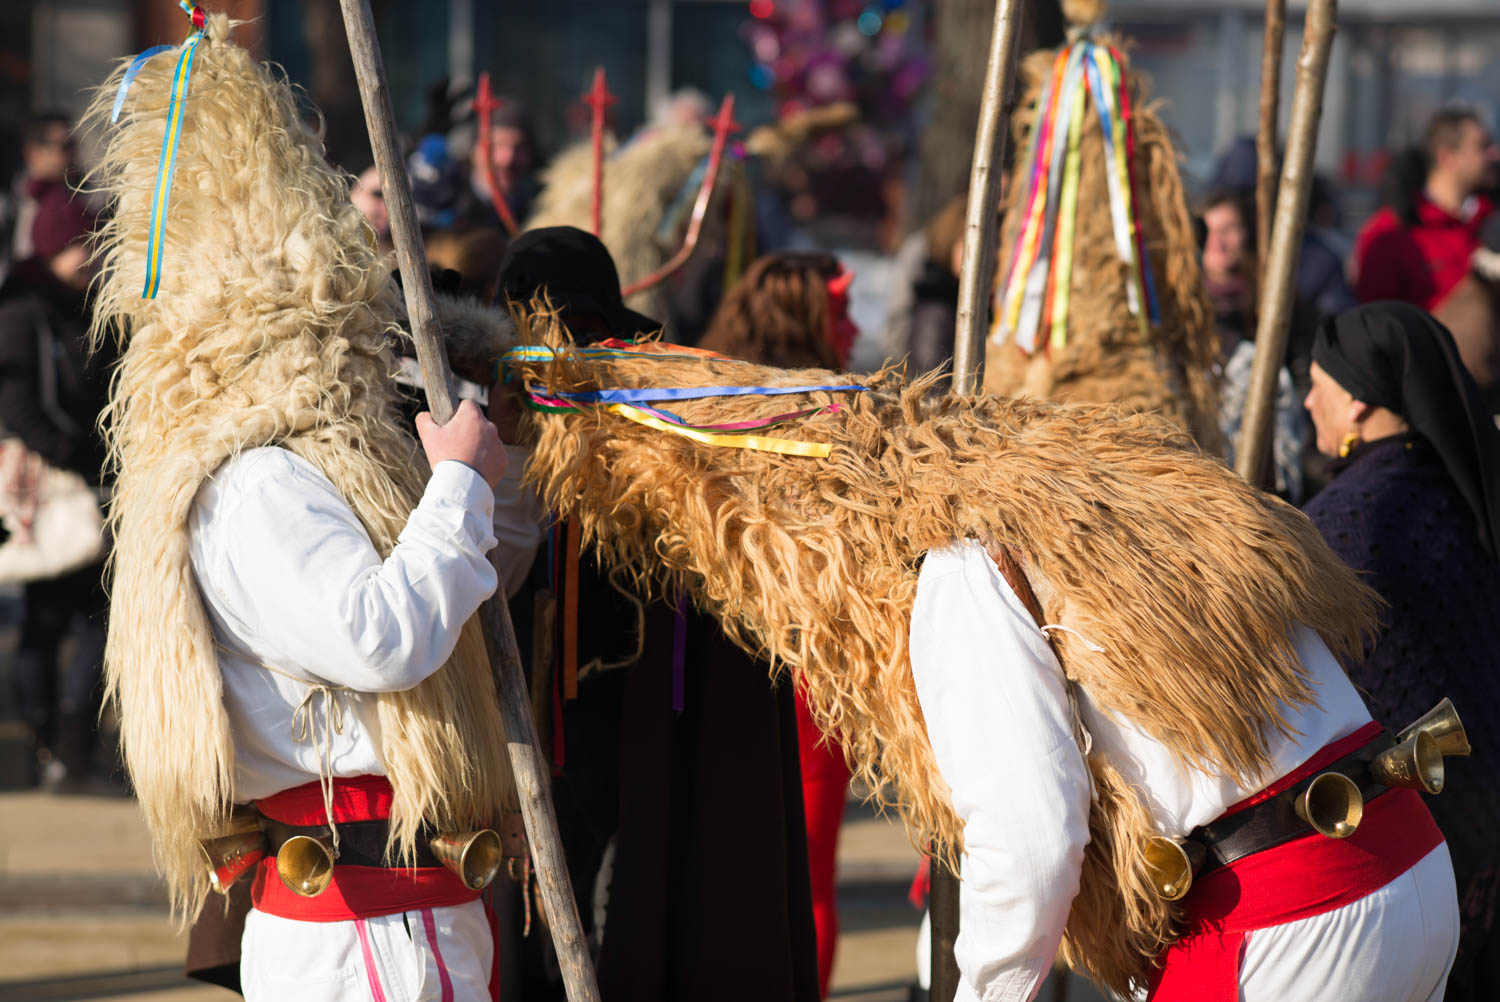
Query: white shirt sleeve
[
  {"x": 996, "y": 708},
  {"x": 285, "y": 563}
]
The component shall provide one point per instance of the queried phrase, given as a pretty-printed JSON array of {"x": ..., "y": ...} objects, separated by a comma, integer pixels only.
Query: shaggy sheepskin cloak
[
  {"x": 1189, "y": 579},
  {"x": 272, "y": 327},
  {"x": 1105, "y": 359}
]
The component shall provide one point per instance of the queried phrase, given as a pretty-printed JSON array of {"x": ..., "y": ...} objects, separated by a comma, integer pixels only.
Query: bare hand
[{"x": 469, "y": 438}]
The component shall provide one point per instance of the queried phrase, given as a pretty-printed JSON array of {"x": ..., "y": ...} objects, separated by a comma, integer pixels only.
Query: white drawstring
[
  {"x": 1068, "y": 629},
  {"x": 303, "y": 729}
]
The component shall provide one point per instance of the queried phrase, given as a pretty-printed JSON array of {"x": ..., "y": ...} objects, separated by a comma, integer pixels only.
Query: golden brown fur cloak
[
  {"x": 271, "y": 328},
  {"x": 1104, "y": 359},
  {"x": 1190, "y": 579}
]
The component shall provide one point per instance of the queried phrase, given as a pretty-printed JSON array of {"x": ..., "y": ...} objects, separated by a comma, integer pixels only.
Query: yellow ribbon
[{"x": 759, "y": 443}]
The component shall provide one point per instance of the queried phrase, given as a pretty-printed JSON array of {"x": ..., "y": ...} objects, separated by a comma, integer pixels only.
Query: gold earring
[{"x": 1351, "y": 439}]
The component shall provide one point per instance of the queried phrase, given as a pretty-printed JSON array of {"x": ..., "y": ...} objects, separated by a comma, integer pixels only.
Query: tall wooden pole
[
  {"x": 981, "y": 230},
  {"x": 528, "y": 764},
  {"x": 1265, "y": 138},
  {"x": 975, "y": 281},
  {"x": 1286, "y": 240}
]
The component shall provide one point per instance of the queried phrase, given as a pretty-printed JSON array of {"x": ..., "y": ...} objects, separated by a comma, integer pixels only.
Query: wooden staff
[
  {"x": 977, "y": 274},
  {"x": 1286, "y": 240},
  {"x": 975, "y": 279},
  {"x": 527, "y": 761},
  {"x": 1265, "y": 139}
]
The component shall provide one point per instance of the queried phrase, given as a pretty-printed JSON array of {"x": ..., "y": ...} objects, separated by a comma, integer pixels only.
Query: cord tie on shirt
[
  {"x": 304, "y": 728},
  {"x": 1068, "y": 629}
]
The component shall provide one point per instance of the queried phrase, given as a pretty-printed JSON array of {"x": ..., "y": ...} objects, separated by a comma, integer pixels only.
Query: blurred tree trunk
[{"x": 960, "y": 49}]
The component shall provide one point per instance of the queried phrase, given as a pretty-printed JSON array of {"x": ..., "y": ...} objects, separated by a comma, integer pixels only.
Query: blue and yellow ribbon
[{"x": 166, "y": 168}]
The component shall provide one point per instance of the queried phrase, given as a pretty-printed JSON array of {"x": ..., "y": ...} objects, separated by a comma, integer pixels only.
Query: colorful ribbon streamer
[
  {"x": 130, "y": 74},
  {"x": 1036, "y": 292}
]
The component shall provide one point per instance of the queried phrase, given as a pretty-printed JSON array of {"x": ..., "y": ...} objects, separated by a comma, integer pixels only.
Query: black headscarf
[{"x": 1396, "y": 356}]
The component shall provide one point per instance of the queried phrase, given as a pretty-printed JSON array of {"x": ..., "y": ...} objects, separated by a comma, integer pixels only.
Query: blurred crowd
[{"x": 1383, "y": 417}]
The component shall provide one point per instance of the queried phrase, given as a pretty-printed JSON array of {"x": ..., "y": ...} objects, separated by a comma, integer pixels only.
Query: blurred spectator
[
  {"x": 48, "y": 153},
  {"x": 922, "y": 306},
  {"x": 1320, "y": 265},
  {"x": 1415, "y": 508},
  {"x": 791, "y": 310},
  {"x": 475, "y": 253},
  {"x": 51, "y": 396},
  {"x": 511, "y": 158},
  {"x": 1420, "y": 258},
  {"x": 1472, "y": 313},
  {"x": 684, "y": 106},
  {"x": 1231, "y": 276},
  {"x": 368, "y": 197}
]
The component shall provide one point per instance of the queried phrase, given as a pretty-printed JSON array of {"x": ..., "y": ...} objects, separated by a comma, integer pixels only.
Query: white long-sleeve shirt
[
  {"x": 996, "y": 708},
  {"x": 291, "y": 580}
]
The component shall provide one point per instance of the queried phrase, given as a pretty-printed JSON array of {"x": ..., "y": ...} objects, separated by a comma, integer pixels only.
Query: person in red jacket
[{"x": 1421, "y": 258}]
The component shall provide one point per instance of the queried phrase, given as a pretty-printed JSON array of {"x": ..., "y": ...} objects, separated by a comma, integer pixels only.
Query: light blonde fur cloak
[
  {"x": 1105, "y": 360},
  {"x": 642, "y": 183},
  {"x": 272, "y": 328},
  {"x": 1188, "y": 578}
]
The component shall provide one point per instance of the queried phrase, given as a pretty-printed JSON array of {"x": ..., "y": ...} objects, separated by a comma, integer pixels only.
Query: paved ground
[{"x": 82, "y": 916}]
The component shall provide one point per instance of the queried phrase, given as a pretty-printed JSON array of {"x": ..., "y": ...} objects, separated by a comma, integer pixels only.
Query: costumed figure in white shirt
[
  {"x": 1083, "y": 654},
  {"x": 1099, "y": 296},
  {"x": 302, "y": 685}
]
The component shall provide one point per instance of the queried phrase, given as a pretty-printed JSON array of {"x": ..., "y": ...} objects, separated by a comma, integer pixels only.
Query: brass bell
[
  {"x": 1170, "y": 865},
  {"x": 474, "y": 856},
  {"x": 305, "y": 865},
  {"x": 1443, "y": 724},
  {"x": 228, "y": 857},
  {"x": 1415, "y": 764},
  {"x": 1332, "y": 804}
]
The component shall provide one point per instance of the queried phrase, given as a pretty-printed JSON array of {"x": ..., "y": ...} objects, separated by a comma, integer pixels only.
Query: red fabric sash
[
  {"x": 356, "y": 891},
  {"x": 1299, "y": 879}
]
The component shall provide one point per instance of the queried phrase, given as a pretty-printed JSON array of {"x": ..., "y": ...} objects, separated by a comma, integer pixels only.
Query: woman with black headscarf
[{"x": 1415, "y": 507}]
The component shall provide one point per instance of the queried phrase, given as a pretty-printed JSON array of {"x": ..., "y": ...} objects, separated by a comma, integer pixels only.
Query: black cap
[{"x": 575, "y": 269}]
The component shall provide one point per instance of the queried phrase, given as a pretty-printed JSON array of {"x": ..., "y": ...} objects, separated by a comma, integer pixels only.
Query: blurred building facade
[{"x": 1393, "y": 63}]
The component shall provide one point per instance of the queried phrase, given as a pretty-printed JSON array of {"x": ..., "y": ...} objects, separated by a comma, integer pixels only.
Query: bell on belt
[
  {"x": 1332, "y": 804},
  {"x": 474, "y": 856},
  {"x": 228, "y": 856},
  {"x": 1415, "y": 764},
  {"x": 1170, "y": 865},
  {"x": 305, "y": 865},
  {"x": 1443, "y": 724}
]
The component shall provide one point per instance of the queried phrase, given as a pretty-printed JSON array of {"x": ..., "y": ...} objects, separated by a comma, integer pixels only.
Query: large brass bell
[
  {"x": 474, "y": 856},
  {"x": 305, "y": 865},
  {"x": 1170, "y": 865},
  {"x": 1332, "y": 804},
  {"x": 1443, "y": 724},
  {"x": 1415, "y": 764},
  {"x": 230, "y": 855}
]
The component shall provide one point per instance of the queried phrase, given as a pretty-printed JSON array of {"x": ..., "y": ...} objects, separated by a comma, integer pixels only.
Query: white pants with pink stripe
[{"x": 431, "y": 955}]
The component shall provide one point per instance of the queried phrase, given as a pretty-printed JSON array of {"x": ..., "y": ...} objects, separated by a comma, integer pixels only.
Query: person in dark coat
[
  {"x": 1415, "y": 507},
  {"x": 677, "y": 777},
  {"x": 51, "y": 395}
]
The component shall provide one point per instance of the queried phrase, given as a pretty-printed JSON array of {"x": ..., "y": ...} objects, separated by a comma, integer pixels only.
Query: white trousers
[
  {"x": 1395, "y": 945},
  {"x": 430, "y": 955}
]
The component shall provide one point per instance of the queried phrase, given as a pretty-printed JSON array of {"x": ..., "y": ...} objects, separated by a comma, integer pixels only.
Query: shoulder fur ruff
[
  {"x": 1190, "y": 579},
  {"x": 1104, "y": 360},
  {"x": 272, "y": 327}
]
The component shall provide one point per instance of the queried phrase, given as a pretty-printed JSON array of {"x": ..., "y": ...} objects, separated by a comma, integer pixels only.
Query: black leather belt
[
  {"x": 361, "y": 843},
  {"x": 1274, "y": 821}
]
